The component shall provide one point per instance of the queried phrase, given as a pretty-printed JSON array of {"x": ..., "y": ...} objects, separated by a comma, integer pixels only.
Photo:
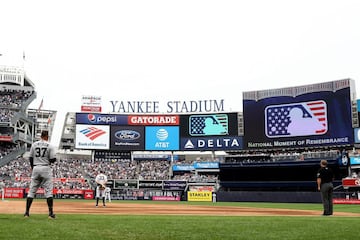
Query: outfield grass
[{"x": 68, "y": 226}]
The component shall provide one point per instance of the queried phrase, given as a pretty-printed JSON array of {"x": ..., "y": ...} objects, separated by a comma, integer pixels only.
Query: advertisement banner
[
  {"x": 354, "y": 160},
  {"x": 346, "y": 201},
  {"x": 20, "y": 192},
  {"x": 88, "y": 194},
  {"x": 101, "y": 119},
  {"x": 174, "y": 185},
  {"x": 60, "y": 191},
  {"x": 165, "y": 198},
  {"x": 127, "y": 138},
  {"x": 197, "y": 165},
  {"x": 183, "y": 167},
  {"x": 161, "y": 138},
  {"x": 149, "y": 184},
  {"x": 126, "y": 184},
  {"x": 357, "y": 135},
  {"x": 92, "y": 137},
  {"x": 201, "y": 188},
  {"x": 199, "y": 196},
  {"x": 90, "y": 103},
  {"x": 154, "y": 120},
  {"x": 64, "y": 191},
  {"x": 13, "y": 193},
  {"x": 62, "y": 180},
  {"x": 211, "y": 143},
  {"x": 206, "y": 165},
  {"x": 6, "y": 138},
  {"x": 350, "y": 182},
  {"x": 91, "y": 109}
]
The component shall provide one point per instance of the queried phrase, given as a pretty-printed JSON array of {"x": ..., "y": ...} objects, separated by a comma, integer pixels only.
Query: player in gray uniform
[{"x": 42, "y": 155}]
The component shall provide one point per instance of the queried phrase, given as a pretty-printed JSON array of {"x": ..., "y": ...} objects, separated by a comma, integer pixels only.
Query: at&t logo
[{"x": 162, "y": 135}]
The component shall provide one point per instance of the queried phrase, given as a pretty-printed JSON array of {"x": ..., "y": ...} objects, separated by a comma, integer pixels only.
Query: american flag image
[
  {"x": 198, "y": 125},
  {"x": 92, "y": 132},
  {"x": 296, "y": 119}
]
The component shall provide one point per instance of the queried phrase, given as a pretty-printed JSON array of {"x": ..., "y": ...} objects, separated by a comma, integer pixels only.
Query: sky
[{"x": 161, "y": 50}]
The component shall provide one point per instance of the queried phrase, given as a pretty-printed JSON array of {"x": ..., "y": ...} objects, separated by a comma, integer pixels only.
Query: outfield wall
[{"x": 253, "y": 196}]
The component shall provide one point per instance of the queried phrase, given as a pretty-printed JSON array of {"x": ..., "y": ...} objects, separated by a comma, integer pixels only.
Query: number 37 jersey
[{"x": 42, "y": 151}]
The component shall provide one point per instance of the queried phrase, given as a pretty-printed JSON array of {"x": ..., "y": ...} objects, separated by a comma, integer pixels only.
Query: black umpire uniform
[{"x": 324, "y": 180}]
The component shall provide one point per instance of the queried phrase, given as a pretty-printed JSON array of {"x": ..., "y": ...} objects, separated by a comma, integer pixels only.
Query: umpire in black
[{"x": 324, "y": 180}]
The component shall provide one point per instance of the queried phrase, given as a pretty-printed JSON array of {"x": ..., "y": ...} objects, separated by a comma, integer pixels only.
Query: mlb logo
[
  {"x": 206, "y": 125},
  {"x": 296, "y": 119}
]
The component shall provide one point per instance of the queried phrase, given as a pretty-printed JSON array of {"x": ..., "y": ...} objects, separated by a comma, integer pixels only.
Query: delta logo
[{"x": 92, "y": 132}]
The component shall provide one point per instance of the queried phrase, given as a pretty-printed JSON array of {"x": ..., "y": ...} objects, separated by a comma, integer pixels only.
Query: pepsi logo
[{"x": 91, "y": 117}]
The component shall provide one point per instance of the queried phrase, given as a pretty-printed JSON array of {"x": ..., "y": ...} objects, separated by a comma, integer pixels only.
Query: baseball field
[{"x": 80, "y": 219}]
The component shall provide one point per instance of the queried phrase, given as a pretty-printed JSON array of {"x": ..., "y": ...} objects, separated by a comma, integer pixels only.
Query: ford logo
[{"x": 127, "y": 135}]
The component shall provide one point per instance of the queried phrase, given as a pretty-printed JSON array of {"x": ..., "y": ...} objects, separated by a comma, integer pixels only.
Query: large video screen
[{"x": 307, "y": 116}]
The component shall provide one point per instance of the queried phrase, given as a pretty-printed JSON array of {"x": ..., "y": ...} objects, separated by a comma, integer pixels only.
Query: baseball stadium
[{"x": 203, "y": 174}]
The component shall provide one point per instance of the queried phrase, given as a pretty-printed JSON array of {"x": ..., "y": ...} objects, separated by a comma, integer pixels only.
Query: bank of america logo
[
  {"x": 92, "y": 132},
  {"x": 296, "y": 119},
  {"x": 204, "y": 125}
]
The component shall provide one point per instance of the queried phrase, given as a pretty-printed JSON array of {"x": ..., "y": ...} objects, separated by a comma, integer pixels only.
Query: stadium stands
[{"x": 14, "y": 125}]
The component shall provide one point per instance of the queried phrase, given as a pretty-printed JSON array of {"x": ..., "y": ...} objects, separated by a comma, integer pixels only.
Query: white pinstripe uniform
[
  {"x": 2, "y": 190},
  {"x": 101, "y": 179},
  {"x": 108, "y": 194}
]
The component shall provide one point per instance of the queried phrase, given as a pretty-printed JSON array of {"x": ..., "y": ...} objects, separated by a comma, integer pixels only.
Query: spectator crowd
[{"x": 79, "y": 173}]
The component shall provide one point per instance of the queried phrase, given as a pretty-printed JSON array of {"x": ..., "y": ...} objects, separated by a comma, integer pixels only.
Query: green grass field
[{"x": 67, "y": 226}]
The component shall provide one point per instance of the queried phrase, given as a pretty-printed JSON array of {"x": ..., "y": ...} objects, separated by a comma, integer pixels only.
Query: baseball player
[
  {"x": 42, "y": 155},
  {"x": 108, "y": 194},
  {"x": 2, "y": 190},
  {"x": 101, "y": 180}
]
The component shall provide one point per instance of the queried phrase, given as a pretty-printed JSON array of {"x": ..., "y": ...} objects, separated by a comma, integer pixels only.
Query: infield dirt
[{"x": 126, "y": 208}]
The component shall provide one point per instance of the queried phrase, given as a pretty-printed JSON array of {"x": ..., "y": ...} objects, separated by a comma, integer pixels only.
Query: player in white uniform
[
  {"x": 2, "y": 190},
  {"x": 108, "y": 194},
  {"x": 101, "y": 180},
  {"x": 42, "y": 155}
]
